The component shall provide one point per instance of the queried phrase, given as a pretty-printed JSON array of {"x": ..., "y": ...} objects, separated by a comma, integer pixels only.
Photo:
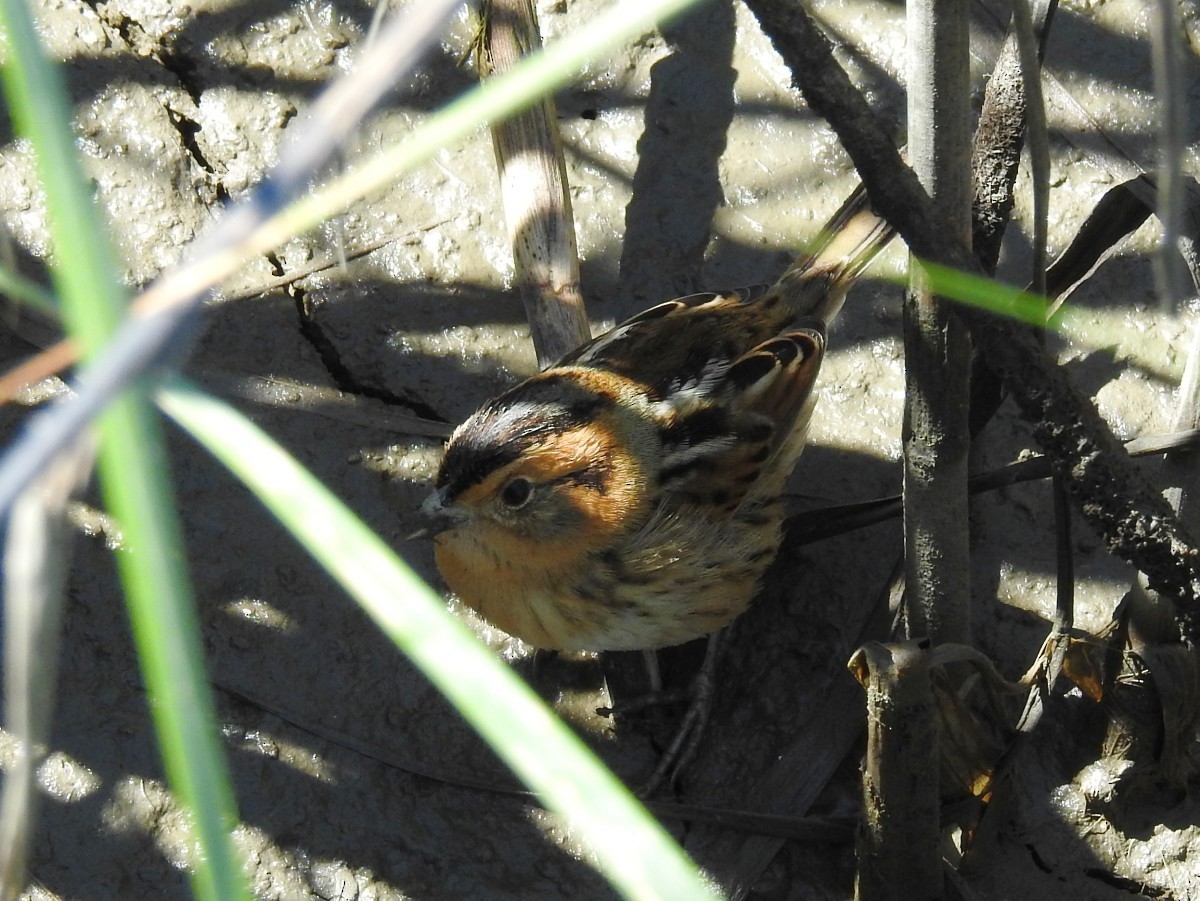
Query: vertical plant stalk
[
  {"x": 898, "y": 842},
  {"x": 937, "y": 349},
  {"x": 1039, "y": 140},
  {"x": 1055, "y": 648},
  {"x": 1170, "y": 81},
  {"x": 36, "y": 563},
  {"x": 533, "y": 184}
]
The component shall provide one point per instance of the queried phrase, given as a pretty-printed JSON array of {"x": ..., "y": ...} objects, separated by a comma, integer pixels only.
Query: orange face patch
[{"x": 589, "y": 468}]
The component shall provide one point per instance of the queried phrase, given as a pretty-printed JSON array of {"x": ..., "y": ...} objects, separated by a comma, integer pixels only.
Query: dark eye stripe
[{"x": 505, "y": 427}]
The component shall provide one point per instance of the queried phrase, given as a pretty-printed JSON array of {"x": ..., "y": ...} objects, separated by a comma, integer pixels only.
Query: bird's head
[{"x": 537, "y": 480}]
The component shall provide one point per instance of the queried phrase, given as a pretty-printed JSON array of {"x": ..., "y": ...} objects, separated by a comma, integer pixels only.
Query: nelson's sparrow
[{"x": 630, "y": 496}]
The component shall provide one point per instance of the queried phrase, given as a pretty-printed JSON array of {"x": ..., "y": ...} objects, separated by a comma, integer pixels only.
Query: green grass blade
[
  {"x": 633, "y": 851},
  {"x": 133, "y": 470},
  {"x": 135, "y": 479},
  {"x": 1093, "y": 329},
  {"x": 987, "y": 293}
]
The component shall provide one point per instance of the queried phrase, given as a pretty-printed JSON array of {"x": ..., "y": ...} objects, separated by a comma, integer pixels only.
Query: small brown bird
[{"x": 630, "y": 496}]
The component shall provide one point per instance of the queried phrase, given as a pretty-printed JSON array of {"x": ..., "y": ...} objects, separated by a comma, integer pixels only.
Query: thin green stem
[{"x": 133, "y": 469}]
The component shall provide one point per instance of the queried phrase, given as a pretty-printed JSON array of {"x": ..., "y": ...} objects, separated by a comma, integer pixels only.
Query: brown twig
[
  {"x": 1029, "y": 51},
  {"x": 1166, "y": 41},
  {"x": 533, "y": 182},
  {"x": 999, "y": 139},
  {"x": 898, "y": 845},
  {"x": 995, "y": 159}
]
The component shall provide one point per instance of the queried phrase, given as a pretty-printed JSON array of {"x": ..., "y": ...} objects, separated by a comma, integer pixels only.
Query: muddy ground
[{"x": 693, "y": 165}]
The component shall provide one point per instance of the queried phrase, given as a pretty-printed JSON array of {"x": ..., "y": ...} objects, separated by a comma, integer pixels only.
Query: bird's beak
[{"x": 437, "y": 517}]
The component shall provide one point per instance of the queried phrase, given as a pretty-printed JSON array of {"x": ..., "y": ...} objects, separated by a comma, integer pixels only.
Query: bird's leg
[
  {"x": 653, "y": 672},
  {"x": 687, "y": 737}
]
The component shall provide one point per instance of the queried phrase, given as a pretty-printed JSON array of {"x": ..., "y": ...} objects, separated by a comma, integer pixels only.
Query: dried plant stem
[
  {"x": 1000, "y": 137},
  {"x": 36, "y": 563},
  {"x": 1170, "y": 79},
  {"x": 898, "y": 845},
  {"x": 1039, "y": 142},
  {"x": 533, "y": 182},
  {"x": 937, "y": 349}
]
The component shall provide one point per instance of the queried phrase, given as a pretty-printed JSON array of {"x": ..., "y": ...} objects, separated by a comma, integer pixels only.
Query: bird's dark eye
[{"x": 516, "y": 493}]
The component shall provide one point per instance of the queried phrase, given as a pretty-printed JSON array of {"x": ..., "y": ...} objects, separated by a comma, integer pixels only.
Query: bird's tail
[{"x": 816, "y": 283}]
